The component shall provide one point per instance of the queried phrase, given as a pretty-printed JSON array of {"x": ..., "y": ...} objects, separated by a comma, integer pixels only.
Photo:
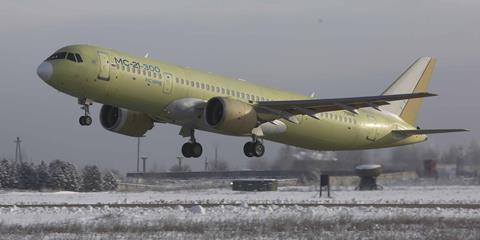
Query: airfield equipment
[
  {"x": 325, "y": 183},
  {"x": 368, "y": 174},
  {"x": 255, "y": 185}
]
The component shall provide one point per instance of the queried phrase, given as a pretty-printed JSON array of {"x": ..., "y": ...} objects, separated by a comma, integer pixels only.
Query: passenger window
[
  {"x": 71, "y": 57},
  {"x": 223, "y": 90},
  {"x": 248, "y": 96},
  {"x": 197, "y": 84},
  {"x": 144, "y": 72},
  {"x": 79, "y": 58},
  {"x": 192, "y": 83},
  {"x": 155, "y": 75},
  {"x": 55, "y": 56},
  {"x": 149, "y": 74},
  {"x": 243, "y": 95},
  {"x": 128, "y": 69},
  {"x": 123, "y": 68},
  {"x": 228, "y": 91},
  {"x": 203, "y": 85},
  {"x": 218, "y": 90},
  {"x": 182, "y": 81}
]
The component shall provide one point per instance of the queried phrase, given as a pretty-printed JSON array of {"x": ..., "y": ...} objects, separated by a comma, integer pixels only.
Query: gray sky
[{"x": 335, "y": 48}]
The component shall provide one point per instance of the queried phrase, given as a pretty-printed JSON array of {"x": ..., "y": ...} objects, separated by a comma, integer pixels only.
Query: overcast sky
[{"x": 335, "y": 48}]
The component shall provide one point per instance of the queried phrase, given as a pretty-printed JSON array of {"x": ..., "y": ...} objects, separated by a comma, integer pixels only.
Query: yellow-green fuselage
[{"x": 146, "y": 85}]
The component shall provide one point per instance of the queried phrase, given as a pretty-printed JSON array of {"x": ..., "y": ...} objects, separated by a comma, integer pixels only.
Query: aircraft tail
[{"x": 414, "y": 79}]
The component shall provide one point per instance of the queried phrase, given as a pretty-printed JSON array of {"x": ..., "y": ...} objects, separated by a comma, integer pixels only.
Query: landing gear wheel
[
  {"x": 258, "y": 149},
  {"x": 248, "y": 149},
  {"x": 254, "y": 149},
  {"x": 81, "y": 120},
  {"x": 196, "y": 150},
  {"x": 187, "y": 150},
  {"x": 192, "y": 150},
  {"x": 85, "y": 120}
]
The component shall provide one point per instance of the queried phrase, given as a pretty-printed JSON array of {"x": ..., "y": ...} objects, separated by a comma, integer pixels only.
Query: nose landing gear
[
  {"x": 255, "y": 148},
  {"x": 192, "y": 148},
  {"x": 85, "y": 120}
]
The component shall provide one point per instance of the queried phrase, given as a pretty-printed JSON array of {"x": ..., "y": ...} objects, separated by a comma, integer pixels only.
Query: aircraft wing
[
  {"x": 287, "y": 109},
  {"x": 426, "y": 131}
]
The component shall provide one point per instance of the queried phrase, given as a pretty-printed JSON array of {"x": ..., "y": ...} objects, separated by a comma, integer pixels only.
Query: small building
[{"x": 255, "y": 185}]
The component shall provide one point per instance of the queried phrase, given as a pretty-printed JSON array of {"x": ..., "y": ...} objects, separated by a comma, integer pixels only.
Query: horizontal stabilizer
[{"x": 426, "y": 131}]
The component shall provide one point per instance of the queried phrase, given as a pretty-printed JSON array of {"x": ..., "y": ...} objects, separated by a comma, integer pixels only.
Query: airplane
[{"x": 137, "y": 92}]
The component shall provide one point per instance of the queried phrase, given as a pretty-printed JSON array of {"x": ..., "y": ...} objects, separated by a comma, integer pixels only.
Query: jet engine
[
  {"x": 126, "y": 122},
  {"x": 230, "y": 116}
]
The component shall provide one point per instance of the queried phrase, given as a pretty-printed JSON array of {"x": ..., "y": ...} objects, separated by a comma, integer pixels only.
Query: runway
[{"x": 246, "y": 204}]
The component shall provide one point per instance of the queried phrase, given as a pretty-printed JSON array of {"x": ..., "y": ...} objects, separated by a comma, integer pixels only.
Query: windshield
[{"x": 59, "y": 55}]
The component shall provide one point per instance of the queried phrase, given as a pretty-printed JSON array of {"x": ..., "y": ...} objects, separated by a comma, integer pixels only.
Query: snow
[
  {"x": 266, "y": 221},
  {"x": 197, "y": 209},
  {"x": 26, "y": 216},
  {"x": 394, "y": 194}
]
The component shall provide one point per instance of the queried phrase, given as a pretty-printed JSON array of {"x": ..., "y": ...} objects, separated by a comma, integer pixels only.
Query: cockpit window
[
  {"x": 59, "y": 55},
  {"x": 79, "y": 58},
  {"x": 71, "y": 57}
]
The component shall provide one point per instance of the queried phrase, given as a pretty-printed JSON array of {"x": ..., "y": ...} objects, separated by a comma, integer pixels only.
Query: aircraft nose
[{"x": 45, "y": 71}]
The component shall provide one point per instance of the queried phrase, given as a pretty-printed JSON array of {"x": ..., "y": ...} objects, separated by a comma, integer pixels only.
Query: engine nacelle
[
  {"x": 230, "y": 115},
  {"x": 126, "y": 122}
]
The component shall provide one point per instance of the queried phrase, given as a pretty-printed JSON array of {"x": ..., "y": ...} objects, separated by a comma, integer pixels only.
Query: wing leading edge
[{"x": 426, "y": 131}]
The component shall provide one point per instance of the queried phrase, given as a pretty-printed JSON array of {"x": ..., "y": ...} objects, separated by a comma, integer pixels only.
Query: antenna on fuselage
[{"x": 312, "y": 95}]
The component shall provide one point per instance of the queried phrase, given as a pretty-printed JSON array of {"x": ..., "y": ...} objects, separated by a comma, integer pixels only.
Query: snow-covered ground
[
  {"x": 268, "y": 221},
  {"x": 397, "y": 194}
]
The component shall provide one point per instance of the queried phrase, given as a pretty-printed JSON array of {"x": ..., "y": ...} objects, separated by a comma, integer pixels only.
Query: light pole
[
  {"x": 144, "y": 164},
  {"x": 138, "y": 154}
]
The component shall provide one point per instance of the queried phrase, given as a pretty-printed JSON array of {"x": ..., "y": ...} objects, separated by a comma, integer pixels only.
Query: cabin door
[
  {"x": 167, "y": 86},
  {"x": 104, "y": 66}
]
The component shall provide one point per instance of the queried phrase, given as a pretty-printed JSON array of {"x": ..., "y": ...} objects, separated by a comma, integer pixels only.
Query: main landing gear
[
  {"x": 85, "y": 120},
  {"x": 254, "y": 148},
  {"x": 192, "y": 148}
]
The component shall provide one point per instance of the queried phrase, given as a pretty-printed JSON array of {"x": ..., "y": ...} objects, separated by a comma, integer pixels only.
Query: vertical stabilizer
[{"x": 414, "y": 79}]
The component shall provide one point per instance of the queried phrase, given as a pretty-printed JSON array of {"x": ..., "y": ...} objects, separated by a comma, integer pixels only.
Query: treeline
[
  {"x": 408, "y": 157},
  {"x": 58, "y": 175}
]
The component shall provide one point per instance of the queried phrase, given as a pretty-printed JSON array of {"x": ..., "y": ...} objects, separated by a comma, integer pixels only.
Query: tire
[
  {"x": 196, "y": 150},
  {"x": 81, "y": 120},
  {"x": 258, "y": 149},
  {"x": 187, "y": 150},
  {"x": 248, "y": 149},
  {"x": 87, "y": 120}
]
